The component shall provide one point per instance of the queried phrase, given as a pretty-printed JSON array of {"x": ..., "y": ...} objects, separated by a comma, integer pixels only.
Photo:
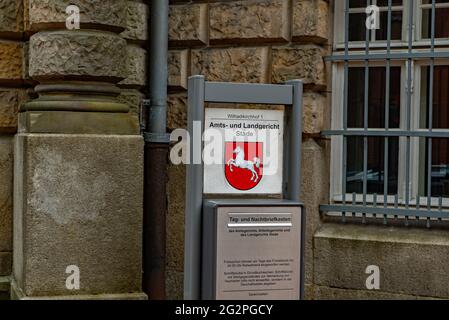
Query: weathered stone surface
[
  {"x": 175, "y": 226},
  {"x": 4, "y": 287},
  {"x": 188, "y": 24},
  {"x": 97, "y": 14},
  {"x": 231, "y": 64},
  {"x": 26, "y": 62},
  {"x": 17, "y": 294},
  {"x": 26, "y": 15},
  {"x": 136, "y": 67},
  {"x": 326, "y": 293},
  {"x": 96, "y": 55},
  {"x": 315, "y": 187},
  {"x": 412, "y": 261},
  {"x": 133, "y": 99},
  {"x": 6, "y": 203},
  {"x": 304, "y": 62},
  {"x": 5, "y": 263},
  {"x": 175, "y": 217},
  {"x": 174, "y": 285},
  {"x": 136, "y": 21},
  {"x": 11, "y": 18},
  {"x": 243, "y": 21},
  {"x": 314, "y": 105},
  {"x": 178, "y": 68},
  {"x": 310, "y": 20},
  {"x": 177, "y": 111},
  {"x": 10, "y": 99},
  {"x": 10, "y": 61},
  {"x": 78, "y": 202},
  {"x": 76, "y": 122}
]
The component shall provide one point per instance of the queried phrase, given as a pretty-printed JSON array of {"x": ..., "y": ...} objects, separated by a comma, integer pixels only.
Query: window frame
[
  {"x": 416, "y": 114},
  {"x": 380, "y": 46},
  {"x": 418, "y": 40},
  {"x": 336, "y": 124}
]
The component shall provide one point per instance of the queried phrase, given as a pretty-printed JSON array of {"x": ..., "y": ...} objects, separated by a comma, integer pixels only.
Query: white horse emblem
[{"x": 240, "y": 162}]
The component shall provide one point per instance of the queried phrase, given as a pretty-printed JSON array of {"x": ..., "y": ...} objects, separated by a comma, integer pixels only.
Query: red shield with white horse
[{"x": 243, "y": 164}]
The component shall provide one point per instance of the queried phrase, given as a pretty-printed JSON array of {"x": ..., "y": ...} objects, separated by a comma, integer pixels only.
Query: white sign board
[{"x": 247, "y": 151}]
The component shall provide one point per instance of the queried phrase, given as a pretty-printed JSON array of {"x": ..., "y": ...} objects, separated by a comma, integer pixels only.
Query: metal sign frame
[
  {"x": 201, "y": 91},
  {"x": 210, "y": 237}
]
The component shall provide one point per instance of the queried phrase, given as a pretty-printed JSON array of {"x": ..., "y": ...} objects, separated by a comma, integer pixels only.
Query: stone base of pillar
[
  {"x": 4, "y": 288},
  {"x": 78, "y": 202},
  {"x": 17, "y": 294}
]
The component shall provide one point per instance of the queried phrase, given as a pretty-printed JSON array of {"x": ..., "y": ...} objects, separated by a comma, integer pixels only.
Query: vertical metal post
[
  {"x": 387, "y": 109},
  {"x": 158, "y": 68},
  {"x": 295, "y": 142},
  {"x": 344, "y": 161},
  {"x": 156, "y": 150},
  {"x": 430, "y": 116},
  {"x": 365, "y": 116},
  {"x": 409, "y": 107},
  {"x": 194, "y": 194},
  {"x": 293, "y": 158}
]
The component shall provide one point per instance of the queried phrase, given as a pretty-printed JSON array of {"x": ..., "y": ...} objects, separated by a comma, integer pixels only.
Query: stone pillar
[{"x": 78, "y": 179}]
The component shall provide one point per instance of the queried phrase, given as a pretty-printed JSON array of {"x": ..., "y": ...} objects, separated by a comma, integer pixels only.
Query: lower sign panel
[{"x": 253, "y": 252}]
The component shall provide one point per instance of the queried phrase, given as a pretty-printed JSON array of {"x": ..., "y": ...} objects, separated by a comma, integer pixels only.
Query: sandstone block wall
[
  {"x": 13, "y": 91},
  {"x": 258, "y": 41},
  {"x": 136, "y": 35}
]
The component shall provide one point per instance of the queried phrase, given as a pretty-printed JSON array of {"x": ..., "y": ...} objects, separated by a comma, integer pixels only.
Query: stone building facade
[{"x": 102, "y": 68}]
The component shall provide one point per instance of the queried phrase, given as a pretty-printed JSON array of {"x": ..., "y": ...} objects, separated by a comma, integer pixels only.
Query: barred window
[{"x": 390, "y": 111}]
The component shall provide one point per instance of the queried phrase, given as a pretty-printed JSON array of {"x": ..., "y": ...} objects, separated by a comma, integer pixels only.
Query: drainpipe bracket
[{"x": 152, "y": 137}]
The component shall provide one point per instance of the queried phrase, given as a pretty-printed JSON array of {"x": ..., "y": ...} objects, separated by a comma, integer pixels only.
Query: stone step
[{"x": 5, "y": 284}]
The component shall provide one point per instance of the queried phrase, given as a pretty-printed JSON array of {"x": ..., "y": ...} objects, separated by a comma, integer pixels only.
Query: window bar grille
[
  {"x": 392, "y": 55},
  {"x": 345, "y": 108},
  {"x": 405, "y": 210},
  {"x": 409, "y": 107},
  {"x": 396, "y": 204},
  {"x": 430, "y": 116},
  {"x": 365, "y": 116},
  {"x": 354, "y": 201},
  {"x": 387, "y": 109}
]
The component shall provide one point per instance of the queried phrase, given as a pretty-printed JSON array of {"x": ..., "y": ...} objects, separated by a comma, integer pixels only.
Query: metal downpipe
[{"x": 156, "y": 152}]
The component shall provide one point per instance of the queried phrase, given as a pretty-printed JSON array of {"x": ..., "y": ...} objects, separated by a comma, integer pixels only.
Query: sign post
[{"x": 247, "y": 169}]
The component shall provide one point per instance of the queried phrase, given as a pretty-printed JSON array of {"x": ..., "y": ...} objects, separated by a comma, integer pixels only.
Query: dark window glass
[
  {"x": 357, "y": 21},
  {"x": 357, "y": 26},
  {"x": 440, "y": 118},
  {"x": 396, "y": 26},
  {"x": 441, "y": 23},
  {"x": 375, "y": 172},
  {"x": 440, "y": 168},
  {"x": 376, "y": 97}
]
